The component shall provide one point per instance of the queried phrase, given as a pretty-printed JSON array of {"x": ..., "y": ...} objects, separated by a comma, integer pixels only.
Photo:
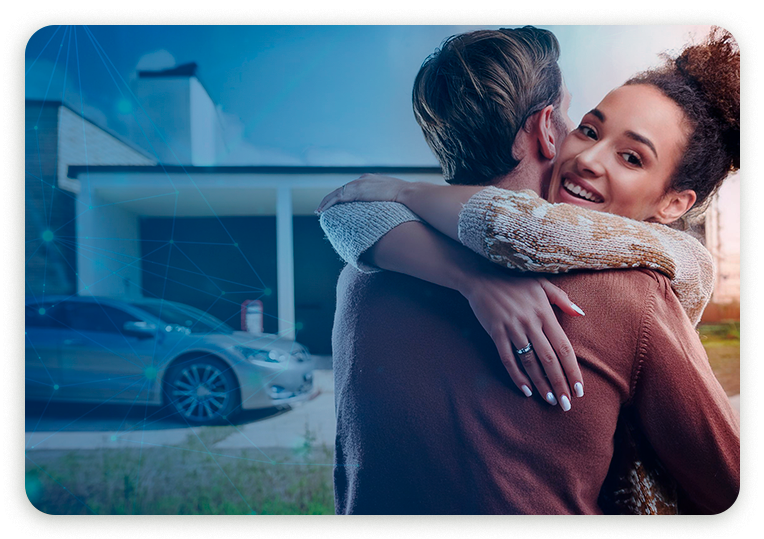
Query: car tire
[{"x": 203, "y": 390}]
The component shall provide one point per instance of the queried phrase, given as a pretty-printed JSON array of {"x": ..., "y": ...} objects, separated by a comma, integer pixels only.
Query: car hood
[{"x": 265, "y": 341}]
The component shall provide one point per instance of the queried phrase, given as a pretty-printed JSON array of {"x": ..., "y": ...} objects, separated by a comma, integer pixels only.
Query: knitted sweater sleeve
[
  {"x": 522, "y": 231},
  {"x": 354, "y": 227}
]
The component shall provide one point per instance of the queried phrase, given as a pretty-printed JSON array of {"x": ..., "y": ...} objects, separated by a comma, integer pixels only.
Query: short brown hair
[{"x": 473, "y": 95}]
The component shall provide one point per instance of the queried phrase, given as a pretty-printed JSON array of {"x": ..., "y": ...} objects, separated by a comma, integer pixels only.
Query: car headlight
[{"x": 262, "y": 356}]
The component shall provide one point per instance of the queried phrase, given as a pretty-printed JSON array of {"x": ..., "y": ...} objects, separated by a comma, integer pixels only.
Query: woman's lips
[{"x": 579, "y": 190}]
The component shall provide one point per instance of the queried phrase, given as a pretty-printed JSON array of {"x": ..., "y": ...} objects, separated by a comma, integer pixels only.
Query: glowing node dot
[
  {"x": 235, "y": 244},
  {"x": 150, "y": 373},
  {"x": 90, "y": 207},
  {"x": 55, "y": 387},
  {"x": 113, "y": 438},
  {"x": 35, "y": 128},
  {"x": 267, "y": 291},
  {"x": 298, "y": 326},
  {"x": 124, "y": 106},
  {"x": 222, "y": 292},
  {"x": 172, "y": 241},
  {"x": 41, "y": 310},
  {"x": 47, "y": 235}
]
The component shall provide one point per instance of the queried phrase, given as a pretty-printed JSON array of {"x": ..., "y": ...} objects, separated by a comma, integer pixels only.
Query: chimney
[{"x": 177, "y": 118}]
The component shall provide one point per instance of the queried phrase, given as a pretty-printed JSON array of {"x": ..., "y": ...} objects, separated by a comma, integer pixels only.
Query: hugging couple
[{"x": 480, "y": 373}]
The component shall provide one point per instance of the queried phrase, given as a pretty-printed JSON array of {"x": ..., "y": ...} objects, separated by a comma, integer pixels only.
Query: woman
[{"x": 653, "y": 165}]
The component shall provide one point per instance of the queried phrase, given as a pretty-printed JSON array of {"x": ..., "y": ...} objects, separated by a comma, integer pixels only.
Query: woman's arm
[
  {"x": 522, "y": 231},
  {"x": 514, "y": 310}
]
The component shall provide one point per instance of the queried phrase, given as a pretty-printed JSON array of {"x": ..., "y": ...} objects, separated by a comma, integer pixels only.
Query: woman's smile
[{"x": 579, "y": 190}]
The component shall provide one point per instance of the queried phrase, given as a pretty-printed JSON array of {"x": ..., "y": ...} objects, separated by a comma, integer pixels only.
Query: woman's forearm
[
  {"x": 439, "y": 205},
  {"x": 415, "y": 249}
]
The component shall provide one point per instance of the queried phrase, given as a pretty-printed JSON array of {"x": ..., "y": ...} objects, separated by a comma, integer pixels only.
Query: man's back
[{"x": 428, "y": 421}]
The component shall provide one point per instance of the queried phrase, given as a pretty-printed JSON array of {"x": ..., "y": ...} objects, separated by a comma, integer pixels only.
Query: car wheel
[{"x": 203, "y": 390}]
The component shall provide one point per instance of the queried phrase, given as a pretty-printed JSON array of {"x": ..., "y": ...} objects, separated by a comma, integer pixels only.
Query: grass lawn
[
  {"x": 722, "y": 344},
  {"x": 182, "y": 481}
]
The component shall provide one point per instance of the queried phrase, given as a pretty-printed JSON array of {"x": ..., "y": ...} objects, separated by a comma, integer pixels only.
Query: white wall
[
  {"x": 108, "y": 249},
  {"x": 204, "y": 124}
]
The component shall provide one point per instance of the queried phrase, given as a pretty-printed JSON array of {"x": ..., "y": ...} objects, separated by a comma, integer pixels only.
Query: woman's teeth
[{"x": 580, "y": 192}]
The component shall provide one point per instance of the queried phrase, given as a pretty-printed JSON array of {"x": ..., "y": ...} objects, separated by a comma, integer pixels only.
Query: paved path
[{"x": 80, "y": 427}]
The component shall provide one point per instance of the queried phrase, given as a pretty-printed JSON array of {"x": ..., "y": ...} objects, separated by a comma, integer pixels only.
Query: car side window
[
  {"x": 44, "y": 315},
  {"x": 95, "y": 317}
]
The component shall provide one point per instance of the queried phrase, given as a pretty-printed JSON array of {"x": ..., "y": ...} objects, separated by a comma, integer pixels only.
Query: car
[{"x": 158, "y": 352}]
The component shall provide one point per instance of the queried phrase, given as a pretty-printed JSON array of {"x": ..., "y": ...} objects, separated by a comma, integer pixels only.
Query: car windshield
[{"x": 184, "y": 316}]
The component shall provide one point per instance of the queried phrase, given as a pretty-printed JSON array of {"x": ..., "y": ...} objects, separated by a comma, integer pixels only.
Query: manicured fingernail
[
  {"x": 550, "y": 398},
  {"x": 577, "y": 309},
  {"x": 527, "y": 391},
  {"x": 565, "y": 403},
  {"x": 579, "y": 389}
]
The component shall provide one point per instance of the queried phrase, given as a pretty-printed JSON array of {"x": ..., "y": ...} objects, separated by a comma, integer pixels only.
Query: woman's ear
[
  {"x": 673, "y": 205},
  {"x": 544, "y": 132}
]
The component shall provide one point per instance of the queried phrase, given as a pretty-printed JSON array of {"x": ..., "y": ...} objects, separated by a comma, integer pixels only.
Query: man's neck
[{"x": 531, "y": 174}]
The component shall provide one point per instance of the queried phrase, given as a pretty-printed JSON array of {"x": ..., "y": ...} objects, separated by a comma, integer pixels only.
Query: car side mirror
[{"x": 141, "y": 329}]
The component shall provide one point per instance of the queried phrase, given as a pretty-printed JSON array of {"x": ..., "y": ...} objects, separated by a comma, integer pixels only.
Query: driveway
[{"x": 83, "y": 426}]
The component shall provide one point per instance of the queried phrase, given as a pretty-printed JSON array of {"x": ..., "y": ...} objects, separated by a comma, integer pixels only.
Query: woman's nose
[{"x": 589, "y": 162}]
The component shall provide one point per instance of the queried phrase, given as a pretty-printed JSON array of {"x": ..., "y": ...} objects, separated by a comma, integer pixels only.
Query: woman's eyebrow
[
  {"x": 631, "y": 134},
  {"x": 598, "y": 114},
  {"x": 644, "y": 140}
]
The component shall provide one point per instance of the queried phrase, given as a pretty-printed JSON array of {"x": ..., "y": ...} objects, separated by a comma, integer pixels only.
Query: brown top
[{"x": 429, "y": 422}]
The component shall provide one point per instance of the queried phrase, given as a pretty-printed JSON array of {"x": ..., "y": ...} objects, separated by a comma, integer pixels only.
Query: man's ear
[
  {"x": 544, "y": 132},
  {"x": 673, "y": 205}
]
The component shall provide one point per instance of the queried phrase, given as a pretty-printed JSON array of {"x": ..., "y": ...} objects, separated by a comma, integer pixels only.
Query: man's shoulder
[
  {"x": 388, "y": 283},
  {"x": 620, "y": 292}
]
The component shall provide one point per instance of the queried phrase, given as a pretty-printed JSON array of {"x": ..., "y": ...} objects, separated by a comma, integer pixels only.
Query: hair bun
[{"x": 714, "y": 65}]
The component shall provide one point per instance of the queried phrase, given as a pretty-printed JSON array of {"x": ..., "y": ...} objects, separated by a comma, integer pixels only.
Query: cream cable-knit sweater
[{"x": 522, "y": 231}]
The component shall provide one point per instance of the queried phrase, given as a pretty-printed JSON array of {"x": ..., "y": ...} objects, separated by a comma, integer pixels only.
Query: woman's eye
[
  {"x": 587, "y": 131},
  {"x": 632, "y": 159}
]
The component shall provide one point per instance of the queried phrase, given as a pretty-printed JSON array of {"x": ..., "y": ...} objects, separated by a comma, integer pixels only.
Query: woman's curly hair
[{"x": 704, "y": 80}]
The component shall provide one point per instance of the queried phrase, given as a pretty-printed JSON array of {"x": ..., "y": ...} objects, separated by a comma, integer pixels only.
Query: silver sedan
[{"x": 158, "y": 352}]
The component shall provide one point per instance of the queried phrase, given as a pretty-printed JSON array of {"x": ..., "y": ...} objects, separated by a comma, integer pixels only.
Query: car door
[
  {"x": 102, "y": 362},
  {"x": 45, "y": 332}
]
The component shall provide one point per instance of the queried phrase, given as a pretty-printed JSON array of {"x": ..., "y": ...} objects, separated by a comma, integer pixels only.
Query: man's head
[{"x": 473, "y": 96}]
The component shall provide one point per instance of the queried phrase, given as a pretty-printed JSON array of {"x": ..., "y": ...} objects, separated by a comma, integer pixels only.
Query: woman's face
[{"x": 621, "y": 157}]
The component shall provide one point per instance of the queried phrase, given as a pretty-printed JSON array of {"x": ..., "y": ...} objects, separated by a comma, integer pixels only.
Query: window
[
  {"x": 44, "y": 315},
  {"x": 95, "y": 317}
]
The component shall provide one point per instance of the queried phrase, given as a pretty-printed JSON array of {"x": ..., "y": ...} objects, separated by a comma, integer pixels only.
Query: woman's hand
[
  {"x": 367, "y": 188},
  {"x": 516, "y": 311}
]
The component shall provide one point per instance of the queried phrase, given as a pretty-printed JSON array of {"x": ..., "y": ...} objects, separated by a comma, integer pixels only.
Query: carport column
[{"x": 285, "y": 262}]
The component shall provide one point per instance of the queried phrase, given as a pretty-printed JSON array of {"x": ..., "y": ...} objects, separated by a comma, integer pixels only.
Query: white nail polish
[
  {"x": 579, "y": 389},
  {"x": 527, "y": 391},
  {"x": 577, "y": 309},
  {"x": 565, "y": 403},
  {"x": 550, "y": 398}
]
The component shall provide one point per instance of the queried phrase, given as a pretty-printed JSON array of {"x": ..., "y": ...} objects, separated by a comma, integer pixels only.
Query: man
[{"x": 427, "y": 419}]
